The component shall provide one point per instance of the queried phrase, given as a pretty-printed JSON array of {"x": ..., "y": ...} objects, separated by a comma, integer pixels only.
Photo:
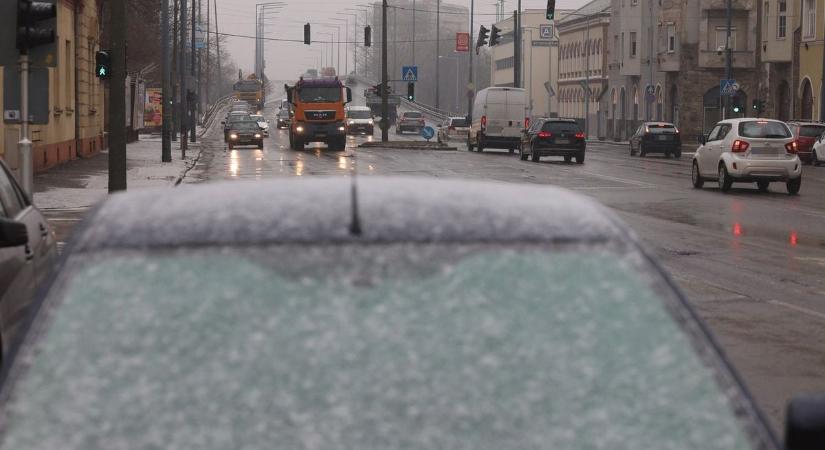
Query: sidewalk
[{"x": 82, "y": 183}]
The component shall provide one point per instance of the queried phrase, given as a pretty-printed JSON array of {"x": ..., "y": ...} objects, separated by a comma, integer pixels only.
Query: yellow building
[
  {"x": 76, "y": 101},
  {"x": 810, "y": 58}
]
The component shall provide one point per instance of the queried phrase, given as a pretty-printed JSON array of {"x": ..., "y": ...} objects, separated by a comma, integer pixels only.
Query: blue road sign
[
  {"x": 546, "y": 31},
  {"x": 728, "y": 87},
  {"x": 427, "y": 132},
  {"x": 409, "y": 73}
]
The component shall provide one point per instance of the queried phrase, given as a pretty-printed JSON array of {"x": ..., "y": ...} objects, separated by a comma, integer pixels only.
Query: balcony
[{"x": 740, "y": 59}]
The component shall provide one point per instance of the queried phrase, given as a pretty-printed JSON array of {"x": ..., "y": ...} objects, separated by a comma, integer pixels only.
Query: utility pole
[
  {"x": 208, "y": 52},
  {"x": 192, "y": 92},
  {"x": 587, "y": 80},
  {"x": 201, "y": 95},
  {"x": 175, "y": 65},
  {"x": 470, "y": 86},
  {"x": 822, "y": 85},
  {"x": 117, "y": 100},
  {"x": 413, "y": 32},
  {"x": 166, "y": 144},
  {"x": 648, "y": 101},
  {"x": 437, "y": 54},
  {"x": 385, "y": 123},
  {"x": 517, "y": 42},
  {"x": 218, "y": 49},
  {"x": 183, "y": 106},
  {"x": 728, "y": 74}
]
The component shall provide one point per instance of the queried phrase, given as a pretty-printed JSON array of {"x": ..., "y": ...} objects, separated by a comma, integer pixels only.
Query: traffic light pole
[
  {"x": 25, "y": 144},
  {"x": 470, "y": 86},
  {"x": 117, "y": 100},
  {"x": 166, "y": 109},
  {"x": 385, "y": 123},
  {"x": 183, "y": 106},
  {"x": 728, "y": 74}
]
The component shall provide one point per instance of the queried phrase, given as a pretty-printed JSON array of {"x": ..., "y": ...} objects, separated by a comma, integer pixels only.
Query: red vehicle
[{"x": 806, "y": 134}]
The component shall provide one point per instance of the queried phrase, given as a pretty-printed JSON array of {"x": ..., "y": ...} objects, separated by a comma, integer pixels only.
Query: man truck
[{"x": 318, "y": 112}]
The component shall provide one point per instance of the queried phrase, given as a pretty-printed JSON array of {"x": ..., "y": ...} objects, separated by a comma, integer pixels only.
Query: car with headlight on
[
  {"x": 748, "y": 150},
  {"x": 426, "y": 314},
  {"x": 283, "y": 118},
  {"x": 246, "y": 132},
  {"x": 360, "y": 120},
  {"x": 453, "y": 128}
]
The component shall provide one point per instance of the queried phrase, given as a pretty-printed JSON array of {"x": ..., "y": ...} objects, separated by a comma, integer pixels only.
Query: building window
[
  {"x": 634, "y": 2},
  {"x": 505, "y": 63},
  {"x": 671, "y": 38},
  {"x": 67, "y": 75},
  {"x": 809, "y": 19},
  {"x": 765, "y": 19},
  {"x": 782, "y": 19},
  {"x": 622, "y": 49},
  {"x": 616, "y": 48},
  {"x": 632, "y": 44},
  {"x": 721, "y": 37}
]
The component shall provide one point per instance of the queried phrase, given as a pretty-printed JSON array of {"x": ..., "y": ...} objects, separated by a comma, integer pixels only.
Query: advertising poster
[{"x": 153, "y": 112}]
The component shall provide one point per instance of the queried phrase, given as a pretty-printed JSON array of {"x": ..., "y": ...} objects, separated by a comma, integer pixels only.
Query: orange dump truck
[{"x": 319, "y": 114}]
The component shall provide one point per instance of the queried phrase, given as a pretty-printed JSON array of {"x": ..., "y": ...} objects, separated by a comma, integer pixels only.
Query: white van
[{"x": 499, "y": 118}]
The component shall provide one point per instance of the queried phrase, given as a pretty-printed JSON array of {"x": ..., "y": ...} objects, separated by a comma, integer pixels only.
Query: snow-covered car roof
[{"x": 397, "y": 209}]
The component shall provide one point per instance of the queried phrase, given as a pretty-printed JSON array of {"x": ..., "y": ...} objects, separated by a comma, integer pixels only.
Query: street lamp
[
  {"x": 457, "y": 58},
  {"x": 260, "y": 9},
  {"x": 338, "y": 30},
  {"x": 346, "y": 36}
]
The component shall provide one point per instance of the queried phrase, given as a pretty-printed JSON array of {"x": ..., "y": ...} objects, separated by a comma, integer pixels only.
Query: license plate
[
  {"x": 321, "y": 135},
  {"x": 662, "y": 138},
  {"x": 562, "y": 141}
]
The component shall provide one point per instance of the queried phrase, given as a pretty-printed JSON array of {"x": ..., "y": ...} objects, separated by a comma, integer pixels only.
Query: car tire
[
  {"x": 261, "y": 145},
  {"x": 794, "y": 185},
  {"x": 534, "y": 156},
  {"x": 567, "y": 159},
  {"x": 469, "y": 144},
  {"x": 642, "y": 152},
  {"x": 725, "y": 181},
  {"x": 480, "y": 144},
  {"x": 677, "y": 154},
  {"x": 632, "y": 151},
  {"x": 814, "y": 159},
  {"x": 763, "y": 185},
  {"x": 580, "y": 158},
  {"x": 511, "y": 150},
  {"x": 696, "y": 177},
  {"x": 522, "y": 154}
]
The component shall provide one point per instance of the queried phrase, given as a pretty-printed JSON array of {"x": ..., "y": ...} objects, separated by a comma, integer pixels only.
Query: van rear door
[{"x": 515, "y": 113}]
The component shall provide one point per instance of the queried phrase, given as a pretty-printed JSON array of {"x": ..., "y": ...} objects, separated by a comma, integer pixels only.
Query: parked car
[
  {"x": 453, "y": 128},
  {"x": 263, "y": 124},
  {"x": 360, "y": 120},
  {"x": 27, "y": 252},
  {"x": 410, "y": 121},
  {"x": 284, "y": 118},
  {"x": 656, "y": 137},
  {"x": 806, "y": 134},
  {"x": 238, "y": 330},
  {"x": 554, "y": 137},
  {"x": 748, "y": 150},
  {"x": 499, "y": 119},
  {"x": 245, "y": 133},
  {"x": 818, "y": 151}
]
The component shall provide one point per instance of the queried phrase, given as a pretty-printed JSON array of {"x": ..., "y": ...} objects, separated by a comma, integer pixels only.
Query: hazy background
[{"x": 286, "y": 60}]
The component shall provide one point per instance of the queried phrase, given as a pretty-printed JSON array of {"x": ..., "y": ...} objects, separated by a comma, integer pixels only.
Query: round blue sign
[{"x": 427, "y": 132}]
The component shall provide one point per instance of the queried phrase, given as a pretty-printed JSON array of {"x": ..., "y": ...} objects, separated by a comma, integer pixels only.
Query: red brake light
[
  {"x": 792, "y": 147},
  {"x": 483, "y": 121},
  {"x": 545, "y": 134},
  {"x": 526, "y": 122},
  {"x": 739, "y": 146},
  {"x": 579, "y": 135},
  {"x": 451, "y": 127}
]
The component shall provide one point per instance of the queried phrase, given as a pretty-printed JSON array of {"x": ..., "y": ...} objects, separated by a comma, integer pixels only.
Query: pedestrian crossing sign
[{"x": 409, "y": 73}]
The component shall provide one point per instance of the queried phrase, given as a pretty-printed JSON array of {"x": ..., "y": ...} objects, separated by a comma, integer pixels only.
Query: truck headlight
[
  {"x": 257, "y": 136},
  {"x": 341, "y": 128},
  {"x": 352, "y": 122},
  {"x": 233, "y": 136},
  {"x": 299, "y": 129},
  {"x": 370, "y": 122}
]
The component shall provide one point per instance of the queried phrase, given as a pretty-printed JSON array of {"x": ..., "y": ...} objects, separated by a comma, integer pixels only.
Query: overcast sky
[{"x": 286, "y": 60}]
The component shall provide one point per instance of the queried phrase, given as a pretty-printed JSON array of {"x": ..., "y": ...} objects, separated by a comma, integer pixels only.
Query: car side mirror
[
  {"x": 702, "y": 139},
  {"x": 349, "y": 95},
  {"x": 13, "y": 233},
  {"x": 805, "y": 423}
]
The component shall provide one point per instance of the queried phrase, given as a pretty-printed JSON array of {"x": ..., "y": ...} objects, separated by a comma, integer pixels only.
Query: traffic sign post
[
  {"x": 409, "y": 73},
  {"x": 546, "y": 31},
  {"x": 427, "y": 133},
  {"x": 650, "y": 93},
  {"x": 728, "y": 87}
]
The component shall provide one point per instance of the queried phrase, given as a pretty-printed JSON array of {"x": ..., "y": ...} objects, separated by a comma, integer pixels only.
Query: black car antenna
[{"x": 355, "y": 220}]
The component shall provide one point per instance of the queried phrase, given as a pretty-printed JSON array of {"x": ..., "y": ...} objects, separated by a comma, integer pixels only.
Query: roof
[
  {"x": 396, "y": 209},
  {"x": 592, "y": 8}
]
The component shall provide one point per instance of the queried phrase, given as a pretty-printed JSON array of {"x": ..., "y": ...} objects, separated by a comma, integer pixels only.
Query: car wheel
[
  {"x": 632, "y": 151},
  {"x": 534, "y": 155},
  {"x": 261, "y": 145},
  {"x": 580, "y": 158},
  {"x": 725, "y": 181},
  {"x": 511, "y": 150},
  {"x": 677, "y": 154},
  {"x": 763, "y": 185},
  {"x": 696, "y": 177},
  {"x": 642, "y": 152},
  {"x": 469, "y": 144},
  {"x": 794, "y": 185},
  {"x": 814, "y": 159},
  {"x": 567, "y": 159},
  {"x": 480, "y": 144},
  {"x": 522, "y": 154}
]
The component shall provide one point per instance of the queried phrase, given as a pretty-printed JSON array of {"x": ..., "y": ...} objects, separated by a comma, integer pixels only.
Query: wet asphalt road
[{"x": 752, "y": 263}]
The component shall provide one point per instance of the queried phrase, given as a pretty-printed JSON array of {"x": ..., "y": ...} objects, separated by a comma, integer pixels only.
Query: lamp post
[
  {"x": 456, "y": 59},
  {"x": 259, "y": 42},
  {"x": 346, "y": 36},
  {"x": 354, "y": 42},
  {"x": 338, "y": 42}
]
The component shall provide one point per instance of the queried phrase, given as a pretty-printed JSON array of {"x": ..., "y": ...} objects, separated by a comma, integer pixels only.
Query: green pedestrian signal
[
  {"x": 551, "y": 9},
  {"x": 103, "y": 65}
]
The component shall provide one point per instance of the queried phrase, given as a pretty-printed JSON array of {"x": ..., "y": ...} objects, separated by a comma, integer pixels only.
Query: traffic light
[
  {"x": 759, "y": 106},
  {"x": 411, "y": 91},
  {"x": 495, "y": 35},
  {"x": 367, "y": 36},
  {"x": 307, "y": 34},
  {"x": 103, "y": 65},
  {"x": 551, "y": 9},
  {"x": 736, "y": 105},
  {"x": 30, "y": 34},
  {"x": 482, "y": 37}
]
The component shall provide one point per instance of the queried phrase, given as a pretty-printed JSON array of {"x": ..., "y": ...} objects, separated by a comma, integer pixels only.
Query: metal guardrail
[
  {"x": 427, "y": 110},
  {"x": 210, "y": 113}
]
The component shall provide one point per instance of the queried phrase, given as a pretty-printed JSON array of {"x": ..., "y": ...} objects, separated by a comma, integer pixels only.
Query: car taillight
[
  {"x": 545, "y": 134},
  {"x": 483, "y": 122},
  {"x": 579, "y": 135},
  {"x": 526, "y": 123},
  {"x": 739, "y": 146},
  {"x": 792, "y": 147},
  {"x": 452, "y": 128}
]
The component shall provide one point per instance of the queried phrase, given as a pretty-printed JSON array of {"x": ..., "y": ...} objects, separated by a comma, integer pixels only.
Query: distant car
[
  {"x": 245, "y": 133},
  {"x": 656, "y": 137},
  {"x": 27, "y": 252},
  {"x": 747, "y": 151},
  {"x": 240, "y": 106},
  {"x": 232, "y": 119},
  {"x": 554, "y": 137},
  {"x": 459, "y": 314},
  {"x": 806, "y": 134},
  {"x": 262, "y": 123},
  {"x": 818, "y": 150},
  {"x": 283, "y": 119},
  {"x": 453, "y": 128},
  {"x": 410, "y": 121},
  {"x": 360, "y": 120},
  {"x": 499, "y": 119}
]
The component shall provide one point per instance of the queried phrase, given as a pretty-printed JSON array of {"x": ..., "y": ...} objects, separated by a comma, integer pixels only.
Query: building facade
[
  {"x": 583, "y": 35},
  {"x": 75, "y": 125},
  {"x": 780, "y": 19},
  {"x": 810, "y": 90}
]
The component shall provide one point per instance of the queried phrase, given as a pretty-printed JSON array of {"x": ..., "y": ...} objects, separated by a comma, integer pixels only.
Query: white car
[
  {"x": 453, "y": 128},
  {"x": 262, "y": 123},
  {"x": 748, "y": 150},
  {"x": 360, "y": 120},
  {"x": 818, "y": 151}
]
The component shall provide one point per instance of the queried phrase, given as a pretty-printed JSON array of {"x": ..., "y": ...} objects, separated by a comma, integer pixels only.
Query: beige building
[
  {"x": 583, "y": 35},
  {"x": 811, "y": 41},
  {"x": 76, "y": 100},
  {"x": 779, "y": 21},
  {"x": 540, "y": 60}
]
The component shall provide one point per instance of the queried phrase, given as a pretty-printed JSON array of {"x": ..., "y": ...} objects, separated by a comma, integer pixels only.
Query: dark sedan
[
  {"x": 27, "y": 251},
  {"x": 554, "y": 137},
  {"x": 245, "y": 133},
  {"x": 656, "y": 137}
]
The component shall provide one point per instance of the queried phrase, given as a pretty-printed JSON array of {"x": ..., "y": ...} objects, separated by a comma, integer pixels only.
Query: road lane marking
[
  {"x": 798, "y": 308},
  {"x": 621, "y": 180}
]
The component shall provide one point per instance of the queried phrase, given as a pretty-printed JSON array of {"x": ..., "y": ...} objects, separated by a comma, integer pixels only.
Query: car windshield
[
  {"x": 660, "y": 128},
  {"x": 320, "y": 94},
  {"x": 245, "y": 126},
  {"x": 412, "y": 115},
  {"x": 402, "y": 347},
  {"x": 359, "y": 114},
  {"x": 460, "y": 122},
  {"x": 811, "y": 131},
  {"x": 766, "y": 129},
  {"x": 258, "y": 117},
  {"x": 247, "y": 86},
  {"x": 560, "y": 127}
]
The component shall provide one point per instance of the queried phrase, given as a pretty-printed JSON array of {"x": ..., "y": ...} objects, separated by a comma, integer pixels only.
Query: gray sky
[{"x": 286, "y": 60}]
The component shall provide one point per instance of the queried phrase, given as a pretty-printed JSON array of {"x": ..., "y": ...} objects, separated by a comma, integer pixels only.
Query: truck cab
[{"x": 319, "y": 114}]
